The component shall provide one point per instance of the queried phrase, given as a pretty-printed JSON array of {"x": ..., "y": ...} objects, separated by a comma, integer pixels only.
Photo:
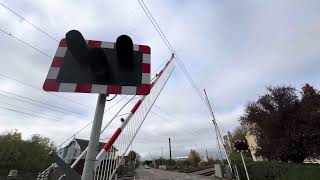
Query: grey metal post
[
  {"x": 245, "y": 167},
  {"x": 162, "y": 155},
  {"x": 89, "y": 164},
  {"x": 170, "y": 147},
  {"x": 237, "y": 173}
]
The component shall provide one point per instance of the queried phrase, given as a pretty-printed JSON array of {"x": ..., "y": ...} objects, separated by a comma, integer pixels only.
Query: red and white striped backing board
[{"x": 51, "y": 83}]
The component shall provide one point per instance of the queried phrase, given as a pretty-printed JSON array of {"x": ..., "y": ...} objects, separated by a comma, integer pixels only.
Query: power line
[
  {"x": 40, "y": 89},
  {"x": 24, "y": 19},
  {"x": 76, "y": 133},
  {"x": 51, "y": 37},
  {"x": 124, "y": 97},
  {"x": 37, "y": 112},
  {"x": 43, "y": 103},
  {"x": 33, "y": 47},
  {"x": 186, "y": 130},
  {"x": 38, "y": 50},
  {"x": 162, "y": 35},
  {"x": 81, "y": 129},
  {"x": 31, "y": 103},
  {"x": 59, "y": 111},
  {"x": 149, "y": 15},
  {"x": 167, "y": 43},
  {"x": 21, "y": 112},
  {"x": 115, "y": 104},
  {"x": 20, "y": 40}
]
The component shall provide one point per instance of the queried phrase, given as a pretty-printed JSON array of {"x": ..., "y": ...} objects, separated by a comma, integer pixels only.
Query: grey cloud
[{"x": 233, "y": 49}]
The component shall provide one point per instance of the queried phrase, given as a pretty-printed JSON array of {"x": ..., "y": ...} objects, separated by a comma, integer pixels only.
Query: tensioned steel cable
[{"x": 167, "y": 43}]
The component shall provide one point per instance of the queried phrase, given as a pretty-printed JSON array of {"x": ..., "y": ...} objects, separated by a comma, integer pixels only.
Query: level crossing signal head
[
  {"x": 240, "y": 146},
  {"x": 94, "y": 58},
  {"x": 90, "y": 66},
  {"x": 124, "y": 47}
]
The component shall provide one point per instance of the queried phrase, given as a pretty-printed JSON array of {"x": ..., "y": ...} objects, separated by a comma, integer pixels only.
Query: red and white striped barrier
[{"x": 103, "y": 153}]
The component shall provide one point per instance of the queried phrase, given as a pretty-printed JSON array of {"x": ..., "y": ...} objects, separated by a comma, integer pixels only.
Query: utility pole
[
  {"x": 170, "y": 148},
  {"x": 207, "y": 155},
  {"x": 162, "y": 155},
  {"x": 217, "y": 128}
]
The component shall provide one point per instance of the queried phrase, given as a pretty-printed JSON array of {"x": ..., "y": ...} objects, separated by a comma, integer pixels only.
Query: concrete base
[{"x": 218, "y": 170}]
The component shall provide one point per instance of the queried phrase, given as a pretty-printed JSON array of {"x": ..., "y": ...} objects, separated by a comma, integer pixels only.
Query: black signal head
[
  {"x": 77, "y": 46},
  {"x": 99, "y": 63},
  {"x": 124, "y": 48}
]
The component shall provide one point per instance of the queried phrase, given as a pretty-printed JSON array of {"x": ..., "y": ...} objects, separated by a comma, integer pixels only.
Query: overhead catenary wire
[
  {"x": 168, "y": 121},
  {"x": 33, "y": 47},
  {"x": 145, "y": 8},
  {"x": 36, "y": 27},
  {"x": 152, "y": 20},
  {"x": 33, "y": 25},
  {"x": 26, "y": 113},
  {"x": 40, "y": 51},
  {"x": 40, "y": 89},
  {"x": 32, "y": 103},
  {"x": 172, "y": 117},
  {"x": 20, "y": 40},
  {"x": 167, "y": 43},
  {"x": 189, "y": 132},
  {"x": 43, "y": 103},
  {"x": 28, "y": 44},
  {"x": 124, "y": 97},
  {"x": 37, "y": 112},
  {"x": 86, "y": 125},
  {"x": 181, "y": 64}
]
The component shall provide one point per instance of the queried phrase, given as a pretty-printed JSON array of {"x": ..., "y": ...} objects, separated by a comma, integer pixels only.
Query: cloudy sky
[{"x": 234, "y": 49}]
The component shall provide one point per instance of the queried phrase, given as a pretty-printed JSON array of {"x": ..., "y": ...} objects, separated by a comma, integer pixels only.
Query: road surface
[{"x": 157, "y": 174}]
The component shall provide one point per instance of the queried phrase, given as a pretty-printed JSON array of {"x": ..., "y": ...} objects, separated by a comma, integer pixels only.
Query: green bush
[
  {"x": 279, "y": 171},
  {"x": 24, "y": 155}
]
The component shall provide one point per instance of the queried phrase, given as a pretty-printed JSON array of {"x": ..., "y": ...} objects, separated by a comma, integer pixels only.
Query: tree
[
  {"x": 134, "y": 158},
  {"x": 238, "y": 134},
  {"x": 308, "y": 116},
  {"x": 285, "y": 123},
  {"x": 30, "y": 155},
  {"x": 9, "y": 142},
  {"x": 194, "y": 157}
]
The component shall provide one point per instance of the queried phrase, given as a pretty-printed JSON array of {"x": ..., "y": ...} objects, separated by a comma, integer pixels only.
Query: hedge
[{"x": 279, "y": 171}]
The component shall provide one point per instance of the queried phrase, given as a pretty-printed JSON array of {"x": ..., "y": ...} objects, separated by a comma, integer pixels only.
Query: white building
[
  {"x": 183, "y": 158},
  {"x": 253, "y": 144},
  {"x": 73, "y": 150}
]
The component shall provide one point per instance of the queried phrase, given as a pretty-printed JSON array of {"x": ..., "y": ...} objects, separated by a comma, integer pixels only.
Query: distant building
[
  {"x": 253, "y": 143},
  {"x": 74, "y": 148},
  {"x": 181, "y": 158},
  {"x": 311, "y": 161}
]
